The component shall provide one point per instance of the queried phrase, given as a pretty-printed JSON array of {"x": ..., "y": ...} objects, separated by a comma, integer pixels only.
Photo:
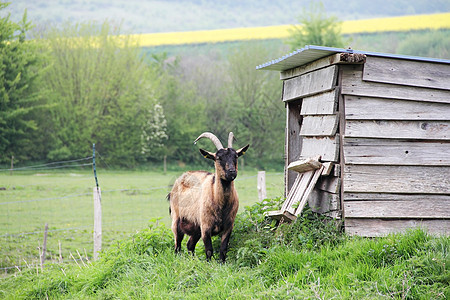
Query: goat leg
[
  {"x": 206, "y": 237},
  {"x": 179, "y": 235},
  {"x": 224, "y": 245},
  {"x": 192, "y": 242}
]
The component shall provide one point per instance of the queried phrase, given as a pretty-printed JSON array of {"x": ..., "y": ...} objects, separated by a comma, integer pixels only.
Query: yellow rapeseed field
[{"x": 405, "y": 23}]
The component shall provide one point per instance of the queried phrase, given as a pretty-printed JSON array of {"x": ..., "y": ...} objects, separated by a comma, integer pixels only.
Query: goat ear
[
  {"x": 242, "y": 151},
  {"x": 207, "y": 154}
]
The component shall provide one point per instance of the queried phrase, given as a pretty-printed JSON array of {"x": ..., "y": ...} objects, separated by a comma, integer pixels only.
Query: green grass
[
  {"x": 64, "y": 200},
  {"x": 320, "y": 263},
  {"x": 309, "y": 259}
]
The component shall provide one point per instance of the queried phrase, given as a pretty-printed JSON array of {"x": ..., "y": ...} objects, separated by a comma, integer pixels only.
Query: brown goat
[{"x": 204, "y": 204}]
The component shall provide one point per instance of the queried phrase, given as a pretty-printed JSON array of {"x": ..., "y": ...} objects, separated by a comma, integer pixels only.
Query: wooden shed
[{"x": 383, "y": 121}]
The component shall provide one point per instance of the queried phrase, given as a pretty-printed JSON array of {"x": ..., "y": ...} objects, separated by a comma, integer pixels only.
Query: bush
[{"x": 255, "y": 235}]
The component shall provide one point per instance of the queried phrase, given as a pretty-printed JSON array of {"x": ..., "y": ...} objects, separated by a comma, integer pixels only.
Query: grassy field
[
  {"x": 64, "y": 200},
  {"x": 310, "y": 259}
]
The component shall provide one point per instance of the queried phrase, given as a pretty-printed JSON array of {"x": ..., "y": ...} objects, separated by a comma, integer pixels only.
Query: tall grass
[{"x": 320, "y": 263}]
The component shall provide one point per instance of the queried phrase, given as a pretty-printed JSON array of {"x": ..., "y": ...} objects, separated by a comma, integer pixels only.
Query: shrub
[{"x": 255, "y": 234}]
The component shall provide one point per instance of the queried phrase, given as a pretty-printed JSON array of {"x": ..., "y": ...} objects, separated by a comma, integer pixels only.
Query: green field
[
  {"x": 309, "y": 259},
  {"x": 64, "y": 200}
]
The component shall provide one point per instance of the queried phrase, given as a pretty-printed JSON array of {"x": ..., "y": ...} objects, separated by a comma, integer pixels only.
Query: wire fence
[{"x": 60, "y": 194}]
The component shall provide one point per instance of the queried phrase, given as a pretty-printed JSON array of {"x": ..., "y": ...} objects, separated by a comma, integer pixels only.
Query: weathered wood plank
[
  {"x": 302, "y": 202},
  {"x": 407, "y": 72},
  {"x": 335, "y": 214},
  {"x": 322, "y": 202},
  {"x": 368, "y": 108},
  {"x": 383, "y": 227},
  {"x": 319, "y": 125},
  {"x": 298, "y": 191},
  {"x": 433, "y": 130},
  {"x": 298, "y": 195},
  {"x": 328, "y": 167},
  {"x": 291, "y": 191},
  {"x": 326, "y": 147},
  {"x": 317, "y": 64},
  {"x": 352, "y": 84},
  {"x": 320, "y": 104},
  {"x": 305, "y": 165},
  {"x": 397, "y": 179},
  {"x": 396, "y": 152},
  {"x": 428, "y": 208},
  {"x": 393, "y": 197},
  {"x": 293, "y": 140},
  {"x": 329, "y": 184},
  {"x": 310, "y": 83}
]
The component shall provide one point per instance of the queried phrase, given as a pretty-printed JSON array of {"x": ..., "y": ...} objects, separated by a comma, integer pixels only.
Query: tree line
[
  {"x": 79, "y": 84},
  {"x": 74, "y": 85}
]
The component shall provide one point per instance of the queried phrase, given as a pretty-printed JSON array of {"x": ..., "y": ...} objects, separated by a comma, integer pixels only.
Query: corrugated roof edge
[{"x": 311, "y": 53}]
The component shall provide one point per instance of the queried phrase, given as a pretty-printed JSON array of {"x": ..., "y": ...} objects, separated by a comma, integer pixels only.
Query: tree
[
  {"x": 20, "y": 66},
  {"x": 103, "y": 92},
  {"x": 316, "y": 28},
  {"x": 256, "y": 113}
]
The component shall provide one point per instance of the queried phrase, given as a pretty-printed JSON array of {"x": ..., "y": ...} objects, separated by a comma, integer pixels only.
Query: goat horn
[
  {"x": 212, "y": 137},
  {"x": 230, "y": 140}
]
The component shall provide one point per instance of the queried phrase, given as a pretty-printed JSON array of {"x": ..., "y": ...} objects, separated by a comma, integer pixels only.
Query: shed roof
[{"x": 311, "y": 53}]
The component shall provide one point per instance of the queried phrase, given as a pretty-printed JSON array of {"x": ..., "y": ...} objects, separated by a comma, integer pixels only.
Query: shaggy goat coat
[{"x": 203, "y": 204}]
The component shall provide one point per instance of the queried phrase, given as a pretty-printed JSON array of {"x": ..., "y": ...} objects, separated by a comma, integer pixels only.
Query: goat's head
[{"x": 225, "y": 158}]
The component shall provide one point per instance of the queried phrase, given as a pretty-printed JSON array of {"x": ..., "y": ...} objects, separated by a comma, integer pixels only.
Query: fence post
[
  {"x": 97, "y": 221},
  {"x": 165, "y": 164},
  {"x": 12, "y": 165},
  {"x": 44, "y": 246},
  {"x": 261, "y": 185},
  {"x": 97, "y": 211}
]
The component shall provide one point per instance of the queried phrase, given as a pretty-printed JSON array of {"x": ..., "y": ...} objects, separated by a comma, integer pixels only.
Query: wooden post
[
  {"x": 12, "y": 165},
  {"x": 97, "y": 221},
  {"x": 261, "y": 185},
  {"x": 165, "y": 164},
  {"x": 44, "y": 247},
  {"x": 60, "y": 253}
]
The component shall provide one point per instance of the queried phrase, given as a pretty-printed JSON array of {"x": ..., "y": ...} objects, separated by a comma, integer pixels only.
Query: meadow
[
  {"x": 64, "y": 200},
  {"x": 310, "y": 259}
]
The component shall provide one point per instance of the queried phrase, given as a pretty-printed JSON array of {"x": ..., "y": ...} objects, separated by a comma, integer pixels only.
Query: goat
[{"x": 204, "y": 204}]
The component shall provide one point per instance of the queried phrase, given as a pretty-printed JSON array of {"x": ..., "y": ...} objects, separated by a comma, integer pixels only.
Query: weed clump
[{"x": 255, "y": 234}]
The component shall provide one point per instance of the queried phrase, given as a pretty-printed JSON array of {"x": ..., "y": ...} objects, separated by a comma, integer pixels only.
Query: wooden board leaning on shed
[{"x": 309, "y": 172}]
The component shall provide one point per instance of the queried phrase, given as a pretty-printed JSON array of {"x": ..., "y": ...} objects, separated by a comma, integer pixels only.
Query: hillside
[{"x": 186, "y": 15}]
